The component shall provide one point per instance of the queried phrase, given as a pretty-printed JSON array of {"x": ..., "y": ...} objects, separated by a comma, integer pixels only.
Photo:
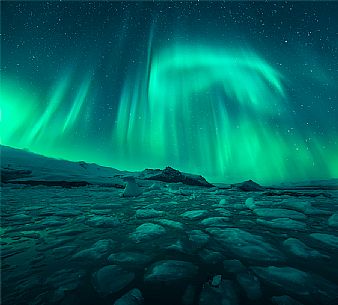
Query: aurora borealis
[{"x": 229, "y": 90}]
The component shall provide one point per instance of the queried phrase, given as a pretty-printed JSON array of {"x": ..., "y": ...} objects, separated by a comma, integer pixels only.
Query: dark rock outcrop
[
  {"x": 171, "y": 175},
  {"x": 296, "y": 194},
  {"x": 8, "y": 174},
  {"x": 249, "y": 186},
  {"x": 62, "y": 183}
]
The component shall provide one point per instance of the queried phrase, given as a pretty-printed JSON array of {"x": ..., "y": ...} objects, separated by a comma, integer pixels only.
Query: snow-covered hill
[{"x": 23, "y": 165}]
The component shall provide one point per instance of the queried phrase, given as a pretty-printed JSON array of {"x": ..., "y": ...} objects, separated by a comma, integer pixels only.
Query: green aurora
[
  {"x": 211, "y": 109},
  {"x": 156, "y": 118}
]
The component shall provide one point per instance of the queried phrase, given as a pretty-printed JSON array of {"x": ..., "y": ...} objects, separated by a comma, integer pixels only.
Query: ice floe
[
  {"x": 148, "y": 213},
  {"x": 134, "y": 259},
  {"x": 245, "y": 244},
  {"x": 283, "y": 223},
  {"x": 195, "y": 214},
  {"x": 298, "y": 248},
  {"x": 279, "y": 213},
  {"x": 170, "y": 223},
  {"x": 327, "y": 239},
  {"x": 298, "y": 282},
  {"x": 215, "y": 222},
  {"x": 111, "y": 279},
  {"x": 333, "y": 220},
  {"x": 96, "y": 251},
  {"x": 133, "y": 297},
  {"x": 198, "y": 238},
  {"x": 103, "y": 221},
  {"x": 170, "y": 271},
  {"x": 147, "y": 231}
]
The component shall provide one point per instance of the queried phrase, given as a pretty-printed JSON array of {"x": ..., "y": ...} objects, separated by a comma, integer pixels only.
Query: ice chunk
[
  {"x": 68, "y": 212},
  {"x": 279, "y": 213},
  {"x": 178, "y": 246},
  {"x": 223, "y": 212},
  {"x": 103, "y": 222},
  {"x": 316, "y": 211},
  {"x": 287, "y": 278},
  {"x": 250, "y": 204},
  {"x": 327, "y": 239},
  {"x": 215, "y": 222},
  {"x": 20, "y": 218},
  {"x": 132, "y": 189},
  {"x": 129, "y": 259},
  {"x": 54, "y": 222},
  {"x": 245, "y": 244},
  {"x": 283, "y": 223},
  {"x": 210, "y": 257},
  {"x": 298, "y": 282},
  {"x": 297, "y": 248},
  {"x": 223, "y": 202},
  {"x": 333, "y": 220},
  {"x": 96, "y": 251},
  {"x": 216, "y": 280},
  {"x": 111, "y": 279},
  {"x": 170, "y": 271},
  {"x": 295, "y": 204},
  {"x": 155, "y": 187},
  {"x": 198, "y": 238},
  {"x": 170, "y": 223},
  {"x": 147, "y": 231},
  {"x": 133, "y": 297},
  {"x": 195, "y": 214},
  {"x": 148, "y": 213},
  {"x": 64, "y": 280}
]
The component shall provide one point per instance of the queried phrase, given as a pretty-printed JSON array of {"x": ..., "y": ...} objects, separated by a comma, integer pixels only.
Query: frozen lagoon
[{"x": 89, "y": 245}]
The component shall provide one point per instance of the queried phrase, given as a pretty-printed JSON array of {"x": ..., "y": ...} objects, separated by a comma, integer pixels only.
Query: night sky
[{"x": 229, "y": 90}]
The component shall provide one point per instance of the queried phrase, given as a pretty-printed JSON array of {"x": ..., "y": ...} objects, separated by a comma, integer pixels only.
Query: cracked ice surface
[{"x": 90, "y": 245}]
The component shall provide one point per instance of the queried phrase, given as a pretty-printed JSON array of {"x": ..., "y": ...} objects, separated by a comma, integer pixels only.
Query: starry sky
[{"x": 229, "y": 90}]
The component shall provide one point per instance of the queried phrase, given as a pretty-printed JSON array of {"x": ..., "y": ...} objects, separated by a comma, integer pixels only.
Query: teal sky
[{"x": 229, "y": 90}]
